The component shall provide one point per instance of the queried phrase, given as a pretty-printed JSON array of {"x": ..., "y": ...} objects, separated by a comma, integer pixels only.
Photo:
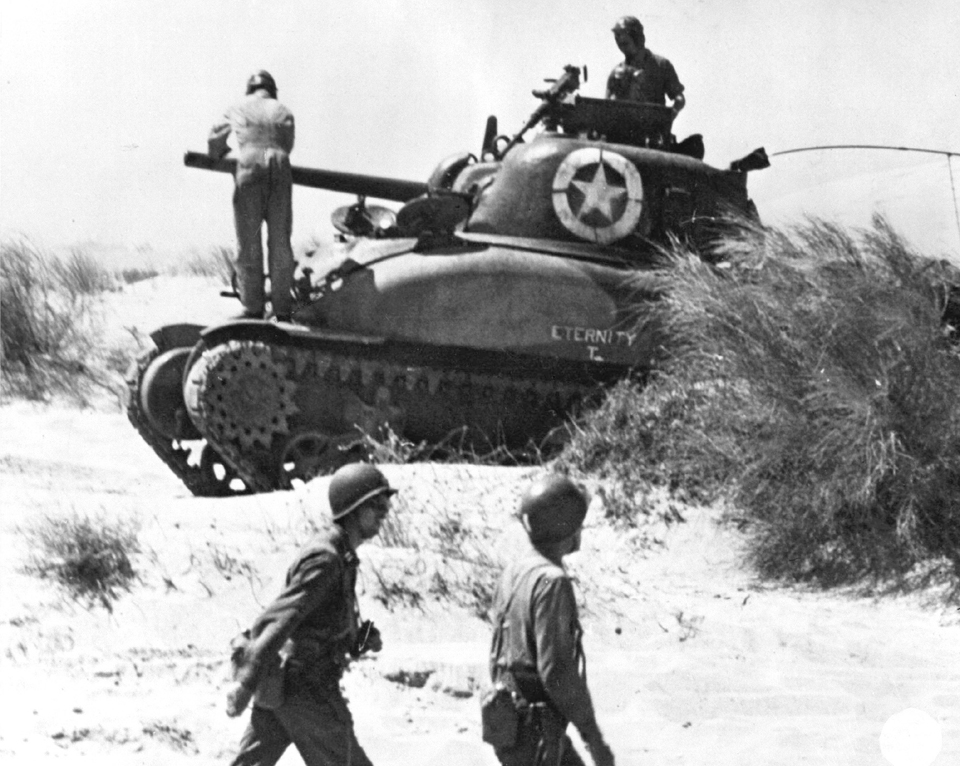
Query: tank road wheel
[
  {"x": 310, "y": 454},
  {"x": 161, "y": 395}
]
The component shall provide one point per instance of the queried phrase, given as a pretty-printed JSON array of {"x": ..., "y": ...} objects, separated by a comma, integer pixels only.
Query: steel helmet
[
  {"x": 262, "y": 79},
  {"x": 629, "y": 24},
  {"x": 354, "y": 484},
  {"x": 553, "y": 508}
]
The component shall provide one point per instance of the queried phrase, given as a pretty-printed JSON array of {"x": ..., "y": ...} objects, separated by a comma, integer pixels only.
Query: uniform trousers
[
  {"x": 541, "y": 741},
  {"x": 317, "y": 722},
  {"x": 264, "y": 195}
]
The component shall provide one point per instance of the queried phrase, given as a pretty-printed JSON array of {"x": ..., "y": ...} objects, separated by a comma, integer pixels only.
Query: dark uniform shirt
[
  {"x": 316, "y": 611},
  {"x": 541, "y": 645},
  {"x": 649, "y": 79}
]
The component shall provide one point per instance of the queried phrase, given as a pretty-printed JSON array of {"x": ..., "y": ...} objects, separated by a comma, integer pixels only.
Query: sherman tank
[{"x": 508, "y": 289}]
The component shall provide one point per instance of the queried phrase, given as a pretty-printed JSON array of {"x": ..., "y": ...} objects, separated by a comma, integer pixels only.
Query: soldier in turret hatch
[
  {"x": 642, "y": 75},
  {"x": 263, "y": 129}
]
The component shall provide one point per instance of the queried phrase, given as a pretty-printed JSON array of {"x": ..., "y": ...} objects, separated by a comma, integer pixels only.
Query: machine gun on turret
[
  {"x": 623, "y": 122},
  {"x": 550, "y": 99}
]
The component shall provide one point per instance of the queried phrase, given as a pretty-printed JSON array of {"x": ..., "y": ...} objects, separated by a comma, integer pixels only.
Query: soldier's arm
[
  {"x": 315, "y": 580},
  {"x": 558, "y": 656},
  {"x": 674, "y": 88},
  {"x": 612, "y": 84},
  {"x": 217, "y": 140}
]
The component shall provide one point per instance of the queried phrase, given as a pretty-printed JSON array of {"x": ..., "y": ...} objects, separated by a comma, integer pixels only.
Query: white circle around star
[{"x": 598, "y": 195}]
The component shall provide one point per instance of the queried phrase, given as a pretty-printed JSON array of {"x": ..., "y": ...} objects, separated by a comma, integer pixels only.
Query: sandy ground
[{"x": 691, "y": 661}]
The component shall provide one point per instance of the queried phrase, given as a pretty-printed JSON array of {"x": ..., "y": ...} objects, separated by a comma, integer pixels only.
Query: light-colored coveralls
[{"x": 264, "y": 130}]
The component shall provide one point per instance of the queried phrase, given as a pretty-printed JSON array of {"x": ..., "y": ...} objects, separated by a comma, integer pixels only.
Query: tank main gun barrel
[{"x": 394, "y": 189}]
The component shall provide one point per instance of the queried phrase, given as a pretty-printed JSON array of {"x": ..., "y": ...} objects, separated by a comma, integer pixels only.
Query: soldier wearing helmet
[
  {"x": 290, "y": 662},
  {"x": 263, "y": 129},
  {"x": 536, "y": 652},
  {"x": 642, "y": 75}
]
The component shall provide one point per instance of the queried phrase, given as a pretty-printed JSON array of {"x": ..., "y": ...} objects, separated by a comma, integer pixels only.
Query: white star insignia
[{"x": 598, "y": 194}]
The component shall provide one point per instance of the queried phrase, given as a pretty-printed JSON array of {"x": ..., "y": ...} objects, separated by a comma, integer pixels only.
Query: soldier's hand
[
  {"x": 600, "y": 753},
  {"x": 374, "y": 642},
  {"x": 238, "y": 697}
]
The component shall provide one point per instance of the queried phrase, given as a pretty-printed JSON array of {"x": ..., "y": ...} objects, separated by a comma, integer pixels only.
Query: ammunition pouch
[
  {"x": 516, "y": 698},
  {"x": 499, "y": 717}
]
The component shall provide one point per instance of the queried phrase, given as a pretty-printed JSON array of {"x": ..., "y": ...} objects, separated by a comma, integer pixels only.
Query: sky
[{"x": 99, "y": 99}]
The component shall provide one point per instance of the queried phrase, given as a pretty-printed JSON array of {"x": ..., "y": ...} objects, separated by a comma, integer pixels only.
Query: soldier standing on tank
[
  {"x": 536, "y": 650},
  {"x": 642, "y": 75},
  {"x": 264, "y": 130},
  {"x": 314, "y": 625}
]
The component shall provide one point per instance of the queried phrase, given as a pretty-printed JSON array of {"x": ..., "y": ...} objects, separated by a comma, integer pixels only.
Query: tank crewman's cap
[
  {"x": 262, "y": 79},
  {"x": 354, "y": 484}
]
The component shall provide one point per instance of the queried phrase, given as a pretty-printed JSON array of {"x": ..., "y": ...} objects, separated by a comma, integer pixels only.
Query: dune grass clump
[
  {"x": 811, "y": 377},
  {"x": 386, "y": 446},
  {"x": 656, "y": 433},
  {"x": 216, "y": 262},
  {"x": 47, "y": 318},
  {"x": 452, "y": 560},
  {"x": 89, "y": 557},
  {"x": 80, "y": 273},
  {"x": 440, "y": 545}
]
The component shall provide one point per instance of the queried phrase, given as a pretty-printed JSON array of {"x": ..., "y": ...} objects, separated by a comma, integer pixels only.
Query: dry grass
[
  {"x": 810, "y": 378},
  {"x": 89, "y": 557},
  {"x": 439, "y": 544},
  {"x": 216, "y": 262},
  {"x": 48, "y": 320},
  {"x": 51, "y": 320},
  {"x": 386, "y": 446}
]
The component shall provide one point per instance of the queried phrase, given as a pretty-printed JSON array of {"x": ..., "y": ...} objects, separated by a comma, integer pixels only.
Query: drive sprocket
[{"x": 239, "y": 392}]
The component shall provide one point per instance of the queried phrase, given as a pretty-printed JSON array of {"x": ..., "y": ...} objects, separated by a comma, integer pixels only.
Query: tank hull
[
  {"x": 389, "y": 345},
  {"x": 493, "y": 293}
]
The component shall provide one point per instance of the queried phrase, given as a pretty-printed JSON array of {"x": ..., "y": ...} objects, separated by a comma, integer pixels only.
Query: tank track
[
  {"x": 371, "y": 392},
  {"x": 201, "y": 478}
]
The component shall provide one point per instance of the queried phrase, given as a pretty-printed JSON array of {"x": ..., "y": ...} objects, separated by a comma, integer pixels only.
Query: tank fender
[
  {"x": 244, "y": 329},
  {"x": 278, "y": 334},
  {"x": 176, "y": 335},
  {"x": 161, "y": 395}
]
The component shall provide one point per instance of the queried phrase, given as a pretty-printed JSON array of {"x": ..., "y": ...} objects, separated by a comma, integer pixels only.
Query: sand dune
[{"x": 691, "y": 660}]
